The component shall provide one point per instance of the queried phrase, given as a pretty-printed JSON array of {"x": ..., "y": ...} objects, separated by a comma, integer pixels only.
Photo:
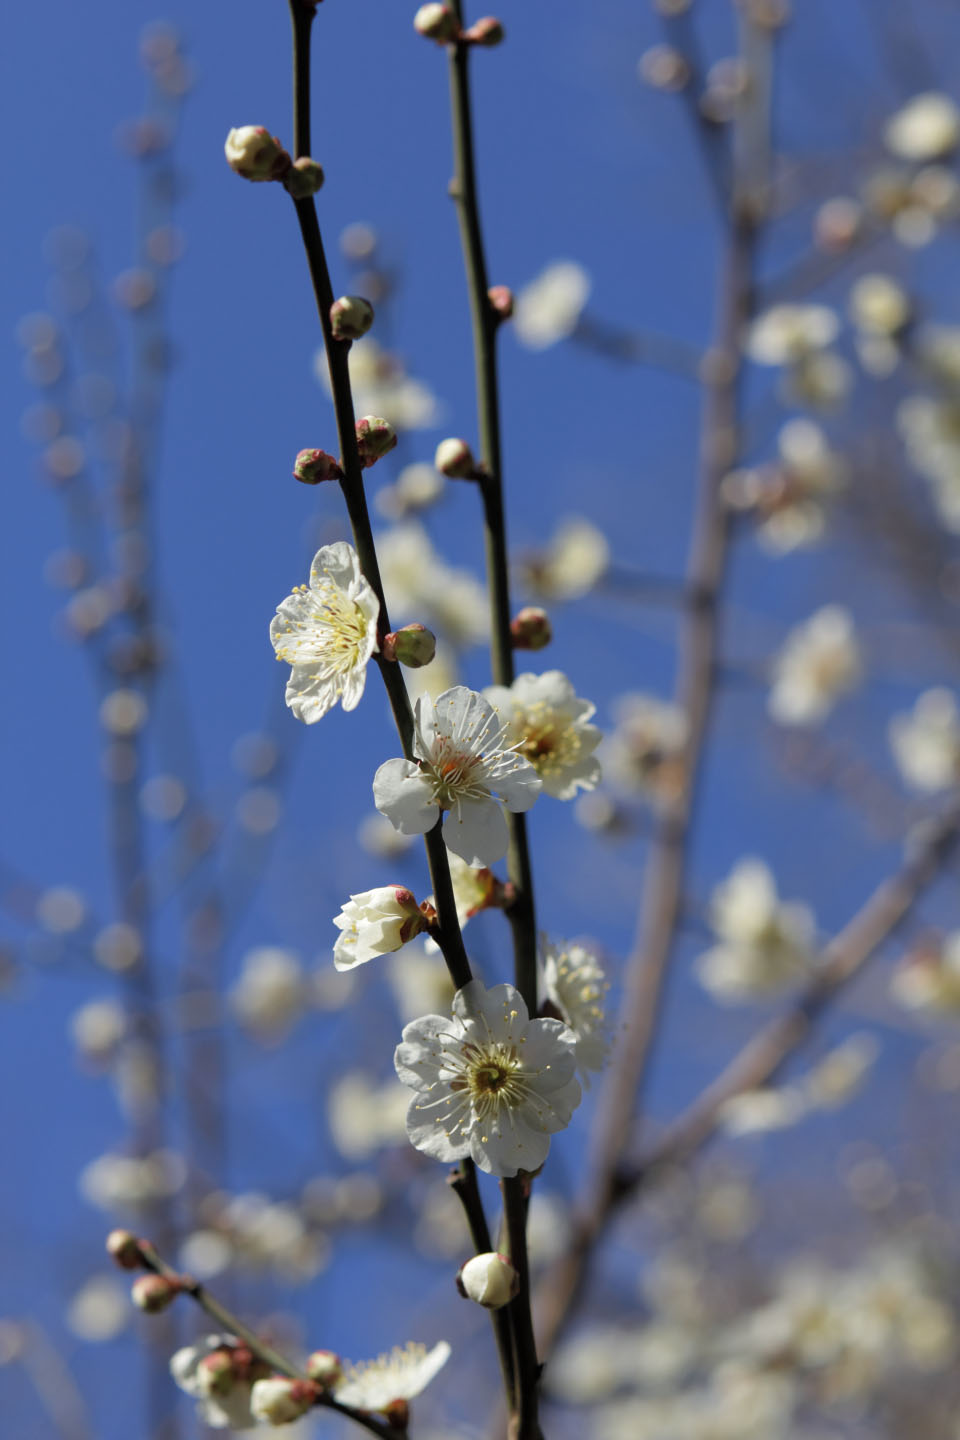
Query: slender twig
[
  {"x": 231, "y": 1325},
  {"x": 463, "y": 1182},
  {"x": 662, "y": 899},
  {"x": 639, "y": 347},
  {"x": 764, "y": 1055},
  {"x": 448, "y": 936},
  {"x": 522, "y": 912}
]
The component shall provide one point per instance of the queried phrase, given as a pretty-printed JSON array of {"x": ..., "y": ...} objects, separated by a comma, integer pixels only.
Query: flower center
[
  {"x": 457, "y": 775},
  {"x": 548, "y": 741},
  {"x": 494, "y": 1077},
  {"x": 332, "y": 633}
]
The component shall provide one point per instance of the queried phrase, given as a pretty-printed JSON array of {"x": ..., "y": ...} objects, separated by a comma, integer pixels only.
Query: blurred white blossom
[
  {"x": 820, "y": 661},
  {"x": 548, "y": 309},
  {"x": 765, "y": 943},
  {"x": 926, "y": 742}
]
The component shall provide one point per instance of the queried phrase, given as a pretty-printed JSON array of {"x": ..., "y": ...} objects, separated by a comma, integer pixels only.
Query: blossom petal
[
  {"x": 405, "y": 796},
  {"x": 478, "y": 834}
]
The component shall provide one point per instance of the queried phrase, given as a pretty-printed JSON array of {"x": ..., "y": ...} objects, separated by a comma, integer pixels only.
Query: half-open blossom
[
  {"x": 575, "y": 983},
  {"x": 278, "y": 1400},
  {"x": 464, "y": 760},
  {"x": 819, "y": 662},
  {"x": 327, "y": 632},
  {"x": 549, "y": 725},
  {"x": 400, "y": 1375},
  {"x": 488, "y": 1082},
  {"x": 375, "y": 922},
  {"x": 926, "y": 742},
  {"x": 222, "y": 1391},
  {"x": 765, "y": 944}
]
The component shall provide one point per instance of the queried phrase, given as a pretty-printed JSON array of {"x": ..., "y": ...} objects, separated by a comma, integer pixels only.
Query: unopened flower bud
[
  {"x": 414, "y": 646},
  {"x": 436, "y": 22},
  {"x": 375, "y": 437},
  {"x": 313, "y": 466},
  {"x": 153, "y": 1293},
  {"x": 350, "y": 317},
  {"x": 278, "y": 1401},
  {"x": 664, "y": 68},
  {"x": 255, "y": 154},
  {"x": 488, "y": 31},
  {"x": 530, "y": 628},
  {"x": 304, "y": 178},
  {"x": 454, "y": 458},
  {"x": 123, "y": 1247},
  {"x": 324, "y": 1368},
  {"x": 501, "y": 300},
  {"x": 216, "y": 1374},
  {"x": 488, "y": 1279}
]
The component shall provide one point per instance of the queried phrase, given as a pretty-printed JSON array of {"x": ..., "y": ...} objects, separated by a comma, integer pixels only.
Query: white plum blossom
[
  {"x": 271, "y": 991},
  {"x": 839, "y": 1075},
  {"x": 787, "y": 334},
  {"x": 548, "y": 309},
  {"x": 463, "y": 760},
  {"x": 930, "y": 429},
  {"x": 575, "y": 983},
  {"x": 475, "y": 888},
  {"x": 365, "y": 1116},
  {"x": 879, "y": 305},
  {"x": 576, "y": 557},
  {"x": 381, "y": 386},
  {"x": 228, "y": 1409},
  {"x": 327, "y": 632},
  {"x": 926, "y": 742},
  {"x": 820, "y": 661},
  {"x": 644, "y": 754},
  {"x": 420, "y": 585},
  {"x": 400, "y": 1375},
  {"x": 765, "y": 944},
  {"x": 756, "y": 1111},
  {"x": 929, "y": 978},
  {"x": 790, "y": 499},
  {"x": 926, "y": 128},
  {"x": 550, "y": 727},
  {"x": 374, "y": 922},
  {"x": 489, "y": 1082}
]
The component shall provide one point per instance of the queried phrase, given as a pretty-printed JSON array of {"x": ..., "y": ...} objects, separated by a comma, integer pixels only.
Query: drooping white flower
[
  {"x": 644, "y": 754},
  {"x": 575, "y": 982},
  {"x": 574, "y": 560},
  {"x": 401, "y": 1375},
  {"x": 375, "y": 922},
  {"x": 464, "y": 761},
  {"x": 819, "y": 662},
  {"x": 926, "y": 742},
  {"x": 278, "y": 1400},
  {"x": 786, "y": 334},
  {"x": 550, "y": 726},
  {"x": 765, "y": 944},
  {"x": 271, "y": 990},
  {"x": 223, "y": 1397},
  {"x": 547, "y": 310},
  {"x": 927, "y": 128},
  {"x": 489, "y": 1082},
  {"x": 327, "y": 632}
]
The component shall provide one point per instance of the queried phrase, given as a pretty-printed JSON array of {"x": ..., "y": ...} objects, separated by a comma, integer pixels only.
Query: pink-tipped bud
[
  {"x": 501, "y": 300},
  {"x": 454, "y": 458},
  {"x": 304, "y": 178},
  {"x": 436, "y": 22},
  {"x": 488, "y": 31},
  {"x": 324, "y": 1368},
  {"x": 123, "y": 1247},
  {"x": 375, "y": 437},
  {"x": 313, "y": 466},
  {"x": 490, "y": 1280},
  {"x": 255, "y": 154},
  {"x": 216, "y": 1374},
  {"x": 350, "y": 317},
  {"x": 279, "y": 1401},
  {"x": 530, "y": 629},
  {"x": 414, "y": 646},
  {"x": 153, "y": 1293}
]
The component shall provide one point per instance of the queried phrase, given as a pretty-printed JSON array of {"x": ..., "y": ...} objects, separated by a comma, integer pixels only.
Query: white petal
[
  {"x": 518, "y": 785},
  {"x": 405, "y": 796},
  {"x": 479, "y": 833},
  {"x": 339, "y": 562}
]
